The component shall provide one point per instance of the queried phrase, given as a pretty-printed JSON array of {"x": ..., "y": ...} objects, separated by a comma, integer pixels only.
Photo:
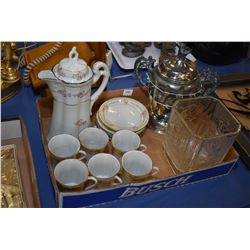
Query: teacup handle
[
  {"x": 119, "y": 181},
  {"x": 91, "y": 178},
  {"x": 155, "y": 171},
  {"x": 84, "y": 154},
  {"x": 143, "y": 147}
]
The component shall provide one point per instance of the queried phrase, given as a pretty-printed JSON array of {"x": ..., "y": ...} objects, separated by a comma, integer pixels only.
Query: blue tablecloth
[{"x": 232, "y": 190}]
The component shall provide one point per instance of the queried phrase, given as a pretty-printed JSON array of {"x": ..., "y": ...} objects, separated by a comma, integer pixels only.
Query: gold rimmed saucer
[
  {"x": 109, "y": 131},
  {"x": 123, "y": 113}
]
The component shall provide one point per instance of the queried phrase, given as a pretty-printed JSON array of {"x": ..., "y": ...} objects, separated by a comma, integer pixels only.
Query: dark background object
[{"x": 219, "y": 53}]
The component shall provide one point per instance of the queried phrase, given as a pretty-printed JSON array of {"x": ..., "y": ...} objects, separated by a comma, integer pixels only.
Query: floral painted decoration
[
  {"x": 143, "y": 113},
  {"x": 80, "y": 122},
  {"x": 64, "y": 93},
  {"x": 78, "y": 76},
  {"x": 60, "y": 72}
]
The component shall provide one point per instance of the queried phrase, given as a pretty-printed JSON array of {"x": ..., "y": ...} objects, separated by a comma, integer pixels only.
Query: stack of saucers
[{"x": 122, "y": 113}]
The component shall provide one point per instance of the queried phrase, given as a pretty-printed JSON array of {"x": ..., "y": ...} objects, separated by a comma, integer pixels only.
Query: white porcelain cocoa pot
[{"x": 70, "y": 84}]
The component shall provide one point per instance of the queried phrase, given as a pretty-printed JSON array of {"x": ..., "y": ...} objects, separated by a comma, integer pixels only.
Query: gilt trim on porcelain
[{"x": 143, "y": 112}]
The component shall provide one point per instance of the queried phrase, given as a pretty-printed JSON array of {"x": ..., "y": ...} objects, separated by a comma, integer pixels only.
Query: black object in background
[{"x": 219, "y": 53}]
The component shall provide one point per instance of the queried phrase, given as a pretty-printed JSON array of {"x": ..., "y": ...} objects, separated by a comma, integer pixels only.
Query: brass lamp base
[
  {"x": 10, "y": 76},
  {"x": 8, "y": 90}
]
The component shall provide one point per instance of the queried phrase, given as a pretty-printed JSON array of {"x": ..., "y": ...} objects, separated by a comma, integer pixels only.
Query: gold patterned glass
[{"x": 11, "y": 189}]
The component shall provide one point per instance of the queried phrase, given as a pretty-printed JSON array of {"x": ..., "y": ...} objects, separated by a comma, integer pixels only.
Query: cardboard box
[{"x": 166, "y": 178}]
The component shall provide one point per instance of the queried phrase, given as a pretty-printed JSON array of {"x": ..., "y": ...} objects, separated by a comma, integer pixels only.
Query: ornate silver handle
[
  {"x": 143, "y": 63},
  {"x": 209, "y": 82}
]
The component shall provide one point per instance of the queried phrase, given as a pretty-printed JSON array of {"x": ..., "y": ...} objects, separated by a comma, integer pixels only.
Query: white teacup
[
  {"x": 73, "y": 174},
  {"x": 65, "y": 146},
  {"x": 126, "y": 140},
  {"x": 105, "y": 167},
  {"x": 138, "y": 165},
  {"x": 93, "y": 141}
]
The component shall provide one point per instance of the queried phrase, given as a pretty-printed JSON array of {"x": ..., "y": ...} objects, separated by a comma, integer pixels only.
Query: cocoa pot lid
[{"x": 73, "y": 69}]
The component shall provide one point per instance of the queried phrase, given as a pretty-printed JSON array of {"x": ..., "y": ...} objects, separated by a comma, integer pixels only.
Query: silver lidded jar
[{"x": 174, "y": 77}]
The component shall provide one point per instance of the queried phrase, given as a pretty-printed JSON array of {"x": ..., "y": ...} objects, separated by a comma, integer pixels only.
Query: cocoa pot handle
[
  {"x": 99, "y": 69},
  {"x": 209, "y": 82},
  {"x": 143, "y": 63}
]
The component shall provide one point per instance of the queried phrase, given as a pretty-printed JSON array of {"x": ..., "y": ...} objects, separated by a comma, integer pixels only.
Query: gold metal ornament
[{"x": 10, "y": 75}]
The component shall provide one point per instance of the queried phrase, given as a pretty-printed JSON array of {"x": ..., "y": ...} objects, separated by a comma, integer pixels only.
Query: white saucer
[
  {"x": 109, "y": 131},
  {"x": 123, "y": 113}
]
